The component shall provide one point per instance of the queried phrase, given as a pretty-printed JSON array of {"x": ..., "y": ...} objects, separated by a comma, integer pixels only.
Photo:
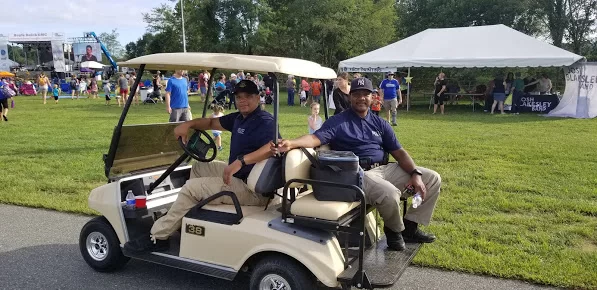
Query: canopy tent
[
  {"x": 496, "y": 46},
  {"x": 462, "y": 47}
]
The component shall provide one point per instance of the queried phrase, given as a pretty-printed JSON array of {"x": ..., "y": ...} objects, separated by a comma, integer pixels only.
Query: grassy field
[{"x": 519, "y": 197}]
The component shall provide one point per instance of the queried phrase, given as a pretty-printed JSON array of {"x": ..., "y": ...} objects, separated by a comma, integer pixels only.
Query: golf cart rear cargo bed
[{"x": 383, "y": 267}]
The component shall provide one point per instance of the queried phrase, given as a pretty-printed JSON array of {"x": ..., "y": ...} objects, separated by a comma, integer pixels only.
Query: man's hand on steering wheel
[{"x": 182, "y": 131}]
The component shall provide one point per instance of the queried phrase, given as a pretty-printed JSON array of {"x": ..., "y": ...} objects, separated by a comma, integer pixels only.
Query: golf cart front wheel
[
  {"x": 283, "y": 273},
  {"x": 100, "y": 247}
]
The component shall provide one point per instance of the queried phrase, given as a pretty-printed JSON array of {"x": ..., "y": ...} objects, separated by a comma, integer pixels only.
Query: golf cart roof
[
  {"x": 253, "y": 63},
  {"x": 131, "y": 153}
]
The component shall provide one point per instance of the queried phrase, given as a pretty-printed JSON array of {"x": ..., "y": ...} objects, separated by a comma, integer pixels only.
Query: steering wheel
[{"x": 197, "y": 148}]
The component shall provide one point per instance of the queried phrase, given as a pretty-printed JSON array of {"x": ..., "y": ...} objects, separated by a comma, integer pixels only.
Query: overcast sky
[{"x": 74, "y": 17}]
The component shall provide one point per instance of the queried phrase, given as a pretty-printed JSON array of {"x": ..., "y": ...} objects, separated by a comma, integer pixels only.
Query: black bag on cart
[{"x": 335, "y": 166}]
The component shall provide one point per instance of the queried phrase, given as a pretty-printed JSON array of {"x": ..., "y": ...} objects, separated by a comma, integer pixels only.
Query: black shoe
[
  {"x": 146, "y": 245},
  {"x": 5, "y": 119},
  {"x": 412, "y": 233},
  {"x": 394, "y": 124},
  {"x": 418, "y": 237},
  {"x": 394, "y": 240}
]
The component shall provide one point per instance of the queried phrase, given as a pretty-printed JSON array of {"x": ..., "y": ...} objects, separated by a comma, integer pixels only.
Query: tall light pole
[{"x": 184, "y": 38}]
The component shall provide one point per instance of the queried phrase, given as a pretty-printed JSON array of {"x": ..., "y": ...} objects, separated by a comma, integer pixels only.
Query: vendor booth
[{"x": 467, "y": 47}]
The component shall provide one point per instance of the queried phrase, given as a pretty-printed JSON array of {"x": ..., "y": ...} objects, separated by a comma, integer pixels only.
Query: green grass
[{"x": 519, "y": 197}]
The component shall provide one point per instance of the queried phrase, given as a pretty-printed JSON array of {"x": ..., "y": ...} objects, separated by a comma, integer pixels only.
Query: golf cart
[{"x": 294, "y": 242}]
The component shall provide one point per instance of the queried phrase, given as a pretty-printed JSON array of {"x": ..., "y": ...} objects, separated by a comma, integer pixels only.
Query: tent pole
[{"x": 408, "y": 92}]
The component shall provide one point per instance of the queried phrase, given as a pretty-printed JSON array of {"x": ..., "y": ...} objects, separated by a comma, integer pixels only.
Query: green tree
[
  {"x": 581, "y": 21},
  {"x": 140, "y": 47},
  {"x": 415, "y": 16},
  {"x": 110, "y": 41},
  {"x": 555, "y": 18}
]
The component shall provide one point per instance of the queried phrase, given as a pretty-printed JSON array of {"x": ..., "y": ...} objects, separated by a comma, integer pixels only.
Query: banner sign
[
  {"x": 33, "y": 37},
  {"x": 580, "y": 96},
  {"x": 58, "y": 56},
  {"x": 369, "y": 69},
  {"x": 538, "y": 103},
  {"x": 4, "y": 60}
]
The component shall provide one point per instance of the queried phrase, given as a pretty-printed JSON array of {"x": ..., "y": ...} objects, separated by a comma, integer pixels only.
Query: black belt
[{"x": 367, "y": 164}]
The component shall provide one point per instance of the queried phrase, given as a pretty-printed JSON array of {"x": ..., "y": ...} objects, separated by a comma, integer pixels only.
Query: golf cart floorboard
[
  {"x": 383, "y": 267},
  {"x": 171, "y": 258}
]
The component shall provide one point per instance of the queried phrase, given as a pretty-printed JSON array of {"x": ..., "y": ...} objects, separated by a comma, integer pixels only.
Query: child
[
  {"x": 262, "y": 100},
  {"x": 218, "y": 111},
  {"x": 107, "y": 92},
  {"x": 303, "y": 96},
  {"x": 55, "y": 93},
  {"x": 315, "y": 121},
  {"x": 83, "y": 87},
  {"x": 268, "y": 95},
  {"x": 376, "y": 104}
]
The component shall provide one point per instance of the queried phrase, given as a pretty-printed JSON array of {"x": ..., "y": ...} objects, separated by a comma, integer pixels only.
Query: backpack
[{"x": 8, "y": 92}]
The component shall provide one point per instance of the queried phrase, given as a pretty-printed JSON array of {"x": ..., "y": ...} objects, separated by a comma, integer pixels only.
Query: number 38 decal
[{"x": 195, "y": 230}]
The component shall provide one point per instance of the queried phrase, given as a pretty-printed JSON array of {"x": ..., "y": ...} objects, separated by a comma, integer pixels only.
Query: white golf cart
[{"x": 295, "y": 242}]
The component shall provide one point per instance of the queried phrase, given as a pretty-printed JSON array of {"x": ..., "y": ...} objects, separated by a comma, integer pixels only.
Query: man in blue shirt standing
[
  {"x": 252, "y": 132},
  {"x": 392, "y": 98},
  {"x": 369, "y": 136},
  {"x": 177, "y": 98}
]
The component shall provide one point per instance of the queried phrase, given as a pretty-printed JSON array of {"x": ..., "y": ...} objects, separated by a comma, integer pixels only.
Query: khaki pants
[
  {"x": 381, "y": 187},
  {"x": 205, "y": 180}
]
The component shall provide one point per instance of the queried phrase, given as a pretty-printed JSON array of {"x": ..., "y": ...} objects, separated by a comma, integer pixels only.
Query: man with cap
[
  {"x": 252, "y": 131},
  {"x": 391, "y": 95},
  {"x": 370, "y": 137}
]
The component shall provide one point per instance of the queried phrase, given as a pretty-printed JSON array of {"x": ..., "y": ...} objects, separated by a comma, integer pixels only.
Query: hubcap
[
  {"x": 274, "y": 282},
  {"x": 97, "y": 246}
]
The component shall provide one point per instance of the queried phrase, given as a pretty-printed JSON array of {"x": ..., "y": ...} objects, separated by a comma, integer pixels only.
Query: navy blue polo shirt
[
  {"x": 365, "y": 137},
  {"x": 248, "y": 135}
]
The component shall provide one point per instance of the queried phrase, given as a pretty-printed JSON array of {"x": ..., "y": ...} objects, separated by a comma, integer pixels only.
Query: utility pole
[{"x": 184, "y": 38}]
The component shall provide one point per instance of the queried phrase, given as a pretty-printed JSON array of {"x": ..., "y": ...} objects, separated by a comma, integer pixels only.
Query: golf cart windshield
[
  {"x": 143, "y": 147},
  {"x": 135, "y": 148}
]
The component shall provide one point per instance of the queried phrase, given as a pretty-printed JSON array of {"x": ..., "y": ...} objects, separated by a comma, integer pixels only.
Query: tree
[
  {"x": 140, "y": 47},
  {"x": 555, "y": 18},
  {"x": 581, "y": 20},
  {"x": 110, "y": 40},
  {"x": 415, "y": 16}
]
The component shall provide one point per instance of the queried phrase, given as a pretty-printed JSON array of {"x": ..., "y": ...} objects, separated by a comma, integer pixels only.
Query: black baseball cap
[
  {"x": 246, "y": 86},
  {"x": 361, "y": 84}
]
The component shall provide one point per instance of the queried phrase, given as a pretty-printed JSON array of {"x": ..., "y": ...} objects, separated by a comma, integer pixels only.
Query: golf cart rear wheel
[
  {"x": 281, "y": 273},
  {"x": 100, "y": 247}
]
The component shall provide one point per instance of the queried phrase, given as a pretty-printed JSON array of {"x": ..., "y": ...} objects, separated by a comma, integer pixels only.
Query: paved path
[{"x": 39, "y": 250}]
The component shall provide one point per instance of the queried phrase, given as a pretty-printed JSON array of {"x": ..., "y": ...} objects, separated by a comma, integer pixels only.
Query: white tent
[
  {"x": 580, "y": 96},
  {"x": 91, "y": 64},
  {"x": 476, "y": 46}
]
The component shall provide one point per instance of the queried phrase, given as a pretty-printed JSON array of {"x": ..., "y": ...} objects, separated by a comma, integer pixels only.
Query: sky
[{"x": 74, "y": 17}]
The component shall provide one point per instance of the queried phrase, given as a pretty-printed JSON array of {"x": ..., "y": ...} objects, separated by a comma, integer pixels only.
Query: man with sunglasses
[{"x": 369, "y": 137}]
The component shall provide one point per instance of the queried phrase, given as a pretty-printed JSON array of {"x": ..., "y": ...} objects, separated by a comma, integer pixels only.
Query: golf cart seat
[
  {"x": 264, "y": 179},
  {"x": 305, "y": 208}
]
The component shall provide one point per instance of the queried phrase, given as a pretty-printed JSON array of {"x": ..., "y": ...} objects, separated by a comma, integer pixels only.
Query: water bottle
[
  {"x": 417, "y": 200},
  {"x": 130, "y": 200}
]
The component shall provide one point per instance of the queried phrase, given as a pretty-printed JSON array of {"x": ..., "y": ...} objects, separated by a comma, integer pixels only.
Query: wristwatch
[
  {"x": 241, "y": 158},
  {"x": 416, "y": 171}
]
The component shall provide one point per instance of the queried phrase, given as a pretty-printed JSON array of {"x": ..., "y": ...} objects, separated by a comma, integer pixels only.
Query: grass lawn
[{"x": 519, "y": 197}]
